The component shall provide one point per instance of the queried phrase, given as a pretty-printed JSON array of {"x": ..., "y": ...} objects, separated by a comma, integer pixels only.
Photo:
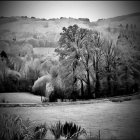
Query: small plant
[
  {"x": 56, "y": 130},
  {"x": 68, "y": 130},
  {"x": 40, "y": 131},
  {"x": 72, "y": 131}
]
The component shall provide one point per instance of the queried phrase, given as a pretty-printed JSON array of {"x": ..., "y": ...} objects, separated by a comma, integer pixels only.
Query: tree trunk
[
  {"x": 115, "y": 85},
  {"x": 82, "y": 89},
  {"x": 74, "y": 86},
  {"x": 74, "y": 92},
  {"x": 109, "y": 85},
  {"x": 41, "y": 98},
  {"x": 88, "y": 85},
  {"x": 97, "y": 85},
  {"x": 108, "y": 81},
  {"x": 126, "y": 80}
]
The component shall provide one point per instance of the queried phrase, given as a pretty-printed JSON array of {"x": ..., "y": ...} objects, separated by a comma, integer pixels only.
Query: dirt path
[{"x": 113, "y": 119}]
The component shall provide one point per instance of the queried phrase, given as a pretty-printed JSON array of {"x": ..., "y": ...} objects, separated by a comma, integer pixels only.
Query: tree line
[
  {"x": 90, "y": 65},
  {"x": 95, "y": 66}
]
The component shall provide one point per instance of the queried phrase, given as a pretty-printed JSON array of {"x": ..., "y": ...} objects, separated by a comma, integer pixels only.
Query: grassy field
[
  {"x": 115, "y": 120},
  {"x": 19, "y": 98}
]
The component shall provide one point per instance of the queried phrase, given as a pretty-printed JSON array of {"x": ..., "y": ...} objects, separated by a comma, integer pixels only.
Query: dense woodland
[{"x": 91, "y": 65}]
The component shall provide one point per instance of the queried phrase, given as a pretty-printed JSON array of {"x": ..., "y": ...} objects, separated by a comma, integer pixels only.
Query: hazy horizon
[{"x": 93, "y": 10}]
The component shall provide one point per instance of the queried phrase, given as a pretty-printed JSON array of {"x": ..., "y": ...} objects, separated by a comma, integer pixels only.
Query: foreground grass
[
  {"x": 14, "y": 127},
  {"x": 114, "y": 119}
]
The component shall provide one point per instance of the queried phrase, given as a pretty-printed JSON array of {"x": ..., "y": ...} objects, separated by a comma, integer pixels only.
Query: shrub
[
  {"x": 68, "y": 130},
  {"x": 43, "y": 19},
  {"x": 56, "y": 130},
  {"x": 24, "y": 17},
  {"x": 8, "y": 85},
  {"x": 84, "y": 19},
  {"x": 53, "y": 97},
  {"x": 33, "y": 18},
  {"x": 72, "y": 131},
  {"x": 40, "y": 131}
]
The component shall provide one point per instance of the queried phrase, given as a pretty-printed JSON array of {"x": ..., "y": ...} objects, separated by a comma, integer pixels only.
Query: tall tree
[
  {"x": 69, "y": 51},
  {"x": 85, "y": 59},
  {"x": 96, "y": 53},
  {"x": 74, "y": 51},
  {"x": 128, "y": 43},
  {"x": 111, "y": 58}
]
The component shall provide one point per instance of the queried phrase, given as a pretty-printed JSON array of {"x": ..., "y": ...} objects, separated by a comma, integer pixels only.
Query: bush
[
  {"x": 57, "y": 94},
  {"x": 56, "y": 130},
  {"x": 8, "y": 85},
  {"x": 25, "y": 85},
  {"x": 68, "y": 130},
  {"x": 84, "y": 19},
  {"x": 24, "y": 17},
  {"x": 40, "y": 131},
  {"x": 33, "y": 18},
  {"x": 72, "y": 131}
]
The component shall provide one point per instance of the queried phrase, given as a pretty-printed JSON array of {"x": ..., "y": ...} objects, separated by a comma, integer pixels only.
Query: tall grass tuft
[
  {"x": 72, "y": 131},
  {"x": 13, "y": 127},
  {"x": 56, "y": 130},
  {"x": 67, "y": 131}
]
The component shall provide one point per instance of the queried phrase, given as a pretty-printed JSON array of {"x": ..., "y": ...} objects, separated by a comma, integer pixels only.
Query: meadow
[{"x": 115, "y": 120}]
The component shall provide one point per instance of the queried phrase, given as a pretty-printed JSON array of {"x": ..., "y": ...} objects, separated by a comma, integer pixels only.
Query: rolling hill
[{"x": 45, "y": 33}]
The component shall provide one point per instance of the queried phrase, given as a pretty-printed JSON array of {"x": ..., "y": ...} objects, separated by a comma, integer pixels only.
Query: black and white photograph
[{"x": 69, "y": 70}]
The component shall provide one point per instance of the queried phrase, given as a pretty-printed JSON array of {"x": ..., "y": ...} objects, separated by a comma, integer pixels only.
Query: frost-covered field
[{"x": 118, "y": 120}]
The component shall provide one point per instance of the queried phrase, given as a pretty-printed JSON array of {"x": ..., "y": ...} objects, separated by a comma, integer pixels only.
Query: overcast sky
[{"x": 76, "y": 9}]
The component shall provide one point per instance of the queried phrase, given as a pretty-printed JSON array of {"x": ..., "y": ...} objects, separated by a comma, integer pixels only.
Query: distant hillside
[
  {"x": 125, "y": 19},
  {"x": 45, "y": 33},
  {"x": 26, "y": 28}
]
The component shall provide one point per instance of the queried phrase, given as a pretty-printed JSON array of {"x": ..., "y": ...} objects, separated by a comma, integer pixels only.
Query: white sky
[{"x": 76, "y": 9}]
